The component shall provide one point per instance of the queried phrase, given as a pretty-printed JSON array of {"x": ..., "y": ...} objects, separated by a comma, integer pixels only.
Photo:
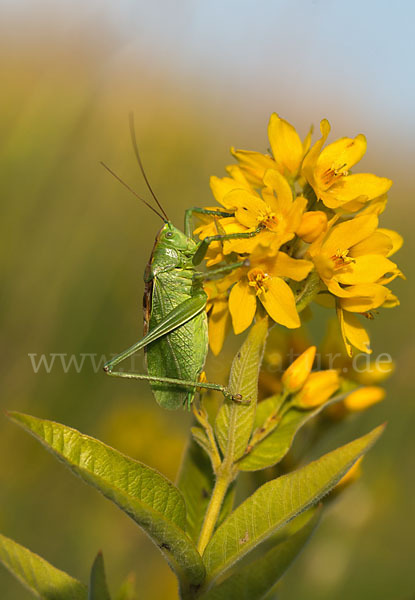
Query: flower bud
[
  {"x": 297, "y": 373},
  {"x": 364, "y": 397},
  {"x": 317, "y": 389},
  {"x": 313, "y": 223}
]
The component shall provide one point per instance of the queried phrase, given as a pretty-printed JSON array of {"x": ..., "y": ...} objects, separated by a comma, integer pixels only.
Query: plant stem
[{"x": 223, "y": 480}]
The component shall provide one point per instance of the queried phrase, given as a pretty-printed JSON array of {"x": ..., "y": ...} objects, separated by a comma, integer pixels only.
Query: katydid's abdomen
[{"x": 181, "y": 353}]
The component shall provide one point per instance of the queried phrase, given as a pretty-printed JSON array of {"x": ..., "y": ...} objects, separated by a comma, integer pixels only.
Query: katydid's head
[{"x": 171, "y": 237}]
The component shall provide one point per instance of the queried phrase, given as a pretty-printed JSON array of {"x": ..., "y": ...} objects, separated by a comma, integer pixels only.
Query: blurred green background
[{"x": 200, "y": 77}]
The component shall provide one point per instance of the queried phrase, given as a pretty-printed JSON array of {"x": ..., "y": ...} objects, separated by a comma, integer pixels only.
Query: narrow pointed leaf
[
  {"x": 277, "y": 502},
  {"x": 145, "y": 495},
  {"x": 37, "y": 575},
  {"x": 234, "y": 422},
  {"x": 252, "y": 581},
  {"x": 98, "y": 589}
]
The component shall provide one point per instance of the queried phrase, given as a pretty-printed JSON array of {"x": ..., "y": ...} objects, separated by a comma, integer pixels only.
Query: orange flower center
[
  {"x": 340, "y": 259},
  {"x": 268, "y": 219},
  {"x": 257, "y": 279},
  {"x": 331, "y": 175}
]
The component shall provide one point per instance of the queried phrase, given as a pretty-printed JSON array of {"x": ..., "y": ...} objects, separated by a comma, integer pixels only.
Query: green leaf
[
  {"x": 275, "y": 446},
  {"x": 145, "y": 495},
  {"x": 253, "y": 580},
  {"x": 37, "y": 575},
  {"x": 277, "y": 502},
  {"x": 234, "y": 421},
  {"x": 196, "y": 482},
  {"x": 98, "y": 589}
]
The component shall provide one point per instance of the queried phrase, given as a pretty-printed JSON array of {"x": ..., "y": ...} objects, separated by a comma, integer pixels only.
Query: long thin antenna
[
  {"x": 140, "y": 164},
  {"x": 132, "y": 191}
]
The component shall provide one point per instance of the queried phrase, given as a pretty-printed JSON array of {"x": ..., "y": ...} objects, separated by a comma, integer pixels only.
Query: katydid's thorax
[{"x": 172, "y": 250}]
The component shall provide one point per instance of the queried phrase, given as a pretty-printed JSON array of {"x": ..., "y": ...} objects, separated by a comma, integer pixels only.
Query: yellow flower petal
[
  {"x": 221, "y": 187},
  {"x": 279, "y": 302},
  {"x": 365, "y": 269},
  {"x": 254, "y": 164},
  {"x": 294, "y": 216},
  {"x": 375, "y": 206},
  {"x": 362, "y": 300},
  {"x": 377, "y": 243},
  {"x": 307, "y": 141},
  {"x": 286, "y": 266},
  {"x": 242, "y": 306},
  {"x": 395, "y": 238},
  {"x": 237, "y": 174},
  {"x": 391, "y": 301},
  {"x": 363, "y": 186},
  {"x": 310, "y": 159},
  {"x": 219, "y": 321},
  {"x": 353, "y": 332},
  {"x": 347, "y": 234},
  {"x": 281, "y": 187},
  {"x": 286, "y": 145}
]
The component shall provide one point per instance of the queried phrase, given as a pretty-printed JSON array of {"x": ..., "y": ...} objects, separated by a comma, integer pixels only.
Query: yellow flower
[
  {"x": 363, "y": 398},
  {"x": 327, "y": 171},
  {"x": 317, "y": 389},
  {"x": 276, "y": 213},
  {"x": 264, "y": 281},
  {"x": 287, "y": 149},
  {"x": 351, "y": 260},
  {"x": 296, "y": 374}
]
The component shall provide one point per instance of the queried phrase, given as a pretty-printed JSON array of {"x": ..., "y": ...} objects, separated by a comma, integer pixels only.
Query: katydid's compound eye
[{"x": 169, "y": 234}]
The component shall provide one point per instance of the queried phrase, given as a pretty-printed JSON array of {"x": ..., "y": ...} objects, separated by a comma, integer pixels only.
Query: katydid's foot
[{"x": 237, "y": 398}]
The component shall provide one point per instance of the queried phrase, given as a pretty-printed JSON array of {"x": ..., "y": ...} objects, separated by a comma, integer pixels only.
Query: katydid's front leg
[
  {"x": 201, "y": 211},
  {"x": 200, "y": 253},
  {"x": 178, "y": 316}
]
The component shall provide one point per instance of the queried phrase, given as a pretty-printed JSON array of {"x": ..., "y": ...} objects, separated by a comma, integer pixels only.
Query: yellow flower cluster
[{"x": 308, "y": 230}]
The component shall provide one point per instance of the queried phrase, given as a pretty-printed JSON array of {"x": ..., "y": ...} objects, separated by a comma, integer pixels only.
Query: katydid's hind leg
[
  {"x": 179, "y": 315},
  {"x": 180, "y": 383},
  {"x": 221, "y": 271}
]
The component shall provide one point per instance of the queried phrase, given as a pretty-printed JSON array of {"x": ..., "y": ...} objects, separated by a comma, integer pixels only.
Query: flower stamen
[
  {"x": 340, "y": 259},
  {"x": 257, "y": 279}
]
